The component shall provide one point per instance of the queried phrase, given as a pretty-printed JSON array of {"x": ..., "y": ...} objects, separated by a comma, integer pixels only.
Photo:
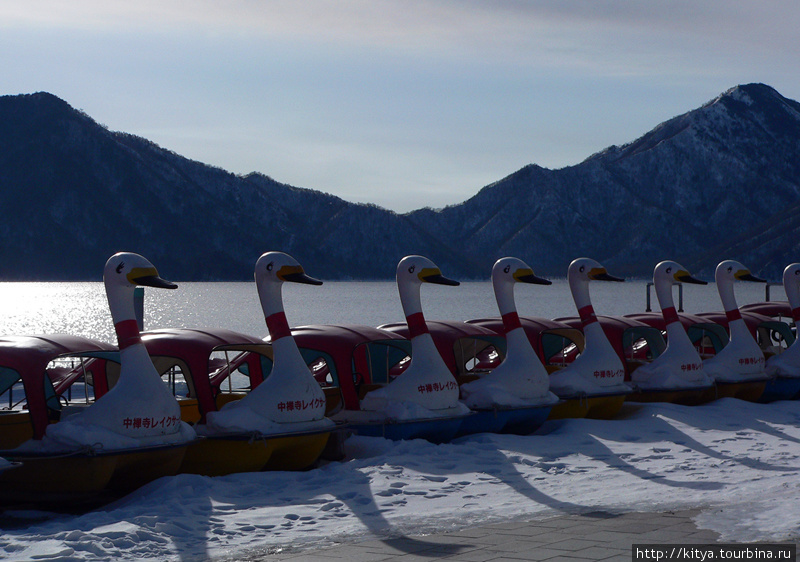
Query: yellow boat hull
[
  {"x": 602, "y": 407},
  {"x": 247, "y": 452},
  {"x": 750, "y": 391},
  {"x": 686, "y": 397},
  {"x": 15, "y": 429},
  {"x": 218, "y": 456},
  {"x": 56, "y": 479},
  {"x": 297, "y": 452},
  {"x": 137, "y": 467},
  {"x": 190, "y": 410}
]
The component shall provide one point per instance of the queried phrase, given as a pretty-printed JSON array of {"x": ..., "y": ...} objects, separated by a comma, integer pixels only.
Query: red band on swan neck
[
  {"x": 416, "y": 325},
  {"x": 670, "y": 315},
  {"x": 278, "y": 326},
  {"x": 127, "y": 333},
  {"x": 732, "y": 315},
  {"x": 587, "y": 315},
  {"x": 511, "y": 321}
]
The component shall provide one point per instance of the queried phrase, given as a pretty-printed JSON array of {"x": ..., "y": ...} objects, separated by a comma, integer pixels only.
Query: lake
[{"x": 82, "y": 309}]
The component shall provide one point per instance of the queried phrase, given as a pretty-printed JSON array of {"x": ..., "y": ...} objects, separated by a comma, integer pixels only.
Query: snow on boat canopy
[
  {"x": 593, "y": 384},
  {"x": 423, "y": 402},
  {"x": 737, "y": 369},
  {"x": 677, "y": 374}
]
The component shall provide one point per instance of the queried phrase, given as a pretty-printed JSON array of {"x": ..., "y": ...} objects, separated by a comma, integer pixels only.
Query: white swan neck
[
  {"x": 726, "y": 295},
  {"x": 792, "y": 288},
  {"x": 666, "y": 301},
  {"x": 411, "y": 301},
  {"x": 579, "y": 287},
  {"x": 123, "y": 314},
  {"x": 504, "y": 295},
  {"x": 271, "y": 297}
]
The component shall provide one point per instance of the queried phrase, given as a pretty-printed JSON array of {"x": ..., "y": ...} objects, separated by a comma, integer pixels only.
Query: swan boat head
[
  {"x": 680, "y": 365},
  {"x": 598, "y": 369},
  {"x": 289, "y": 398},
  {"x": 506, "y": 273},
  {"x": 427, "y": 387},
  {"x": 742, "y": 359},
  {"x": 580, "y": 272},
  {"x": 139, "y": 410},
  {"x": 520, "y": 379}
]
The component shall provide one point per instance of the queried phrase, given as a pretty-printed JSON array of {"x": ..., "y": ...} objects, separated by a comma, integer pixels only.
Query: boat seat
[
  {"x": 190, "y": 410},
  {"x": 16, "y": 427},
  {"x": 225, "y": 397},
  {"x": 333, "y": 400},
  {"x": 363, "y": 389},
  {"x": 634, "y": 364}
]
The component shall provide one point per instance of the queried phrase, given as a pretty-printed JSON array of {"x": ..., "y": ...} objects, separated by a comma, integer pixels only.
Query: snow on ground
[{"x": 736, "y": 461}]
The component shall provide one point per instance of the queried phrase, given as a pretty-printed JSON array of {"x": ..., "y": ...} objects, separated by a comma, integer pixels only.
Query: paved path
[{"x": 591, "y": 536}]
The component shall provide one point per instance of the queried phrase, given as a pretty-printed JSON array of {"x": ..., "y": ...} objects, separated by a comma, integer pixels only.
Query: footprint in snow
[
  {"x": 435, "y": 478},
  {"x": 331, "y": 505}
]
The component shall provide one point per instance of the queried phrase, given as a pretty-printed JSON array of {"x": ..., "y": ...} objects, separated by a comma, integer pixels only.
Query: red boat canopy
[
  {"x": 354, "y": 355},
  {"x": 26, "y": 358},
  {"x": 773, "y": 309},
  {"x": 633, "y": 340},
  {"x": 555, "y": 343},
  {"x": 464, "y": 347}
]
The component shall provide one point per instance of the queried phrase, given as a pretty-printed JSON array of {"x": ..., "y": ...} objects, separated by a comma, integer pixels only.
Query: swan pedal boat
[
  {"x": 206, "y": 361},
  {"x": 114, "y": 443},
  {"x": 777, "y": 336},
  {"x": 593, "y": 385},
  {"x": 638, "y": 343},
  {"x": 707, "y": 338},
  {"x": 597, "y": 405},
  {"x": 422, "y": 401},
  {"x": 766, "y": 331},
  {"x": 471, "y": 350},
  {"x": 356, "y": 360},
  {"x": 32, "y": 362},
  {"x": 753, "y": 389}
]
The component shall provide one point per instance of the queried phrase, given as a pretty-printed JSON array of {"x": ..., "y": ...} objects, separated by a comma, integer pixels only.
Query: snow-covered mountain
[
  {"x": 72, "y": 193},
  {"x": 719, "y": 182}
]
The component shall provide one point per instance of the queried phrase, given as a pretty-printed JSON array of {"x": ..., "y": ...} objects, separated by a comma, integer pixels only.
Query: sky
[{"x": 400, "y": 103}]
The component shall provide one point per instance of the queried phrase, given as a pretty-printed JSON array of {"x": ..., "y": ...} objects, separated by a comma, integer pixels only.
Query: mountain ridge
[{"x": 718, "y": 182}]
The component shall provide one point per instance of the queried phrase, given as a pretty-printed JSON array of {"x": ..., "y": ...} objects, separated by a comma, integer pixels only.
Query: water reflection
[{"x": 81, "y": 308}]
